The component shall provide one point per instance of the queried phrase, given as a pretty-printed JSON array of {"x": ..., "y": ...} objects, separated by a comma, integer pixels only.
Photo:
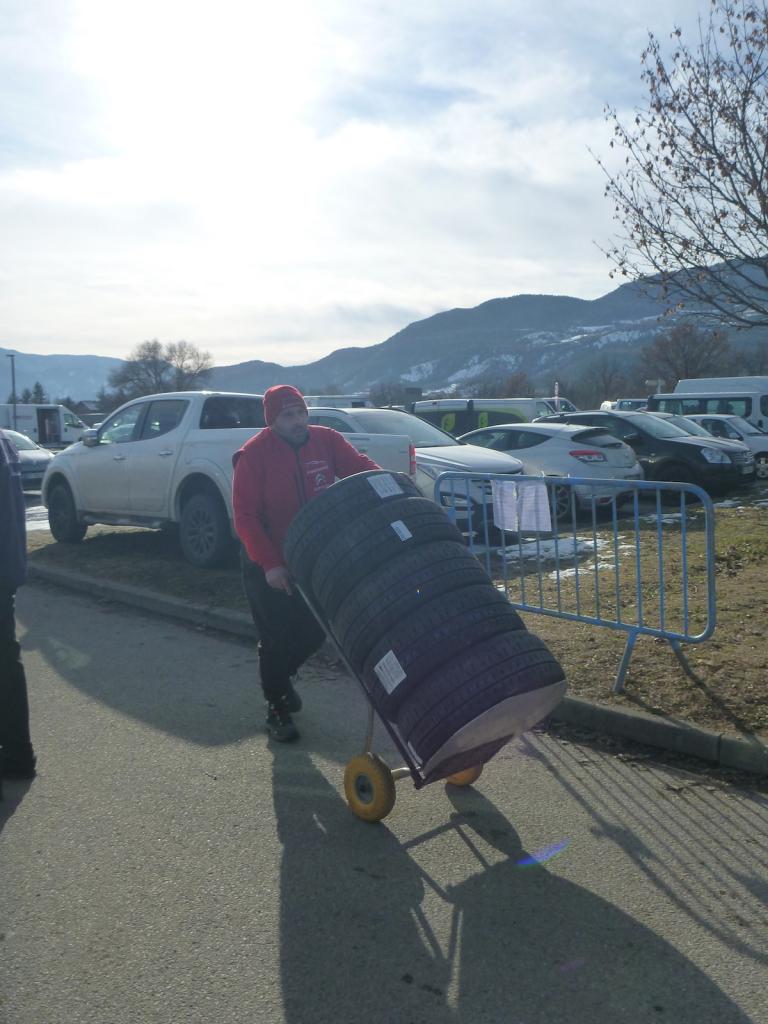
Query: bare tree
[
  {"x": 754, "y": 360},
  {"x": 153, "y": 368},
  {"x": 687, "y": 351},
  {"x": 190, "y": 366},
  {"x": 607, "y": 377},
  {"x": 692, "y": 198},
  {"x": 388, "y": 392},
  {"x": 516, "y": 385}
]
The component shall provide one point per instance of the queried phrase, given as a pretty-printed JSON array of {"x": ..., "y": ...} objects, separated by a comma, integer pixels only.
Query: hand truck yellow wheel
[
  {"x": 369, "y": 786},
  {"x": 466, "y": 777}
]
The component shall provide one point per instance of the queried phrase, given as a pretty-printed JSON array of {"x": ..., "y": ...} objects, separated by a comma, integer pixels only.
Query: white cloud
[{"x": 277, "y": 181}]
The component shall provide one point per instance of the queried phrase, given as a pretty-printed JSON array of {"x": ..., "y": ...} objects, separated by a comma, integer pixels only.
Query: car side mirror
[{"x": 90, "y": 438}]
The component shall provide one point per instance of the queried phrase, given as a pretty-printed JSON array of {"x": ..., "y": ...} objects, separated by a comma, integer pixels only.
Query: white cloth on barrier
[{"x": 521, "y": 507}]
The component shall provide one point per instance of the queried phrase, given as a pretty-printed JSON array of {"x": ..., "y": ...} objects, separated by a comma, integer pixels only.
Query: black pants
[
  {"x": 14, "y": 705},
  {"x": 288, "y": 631}
]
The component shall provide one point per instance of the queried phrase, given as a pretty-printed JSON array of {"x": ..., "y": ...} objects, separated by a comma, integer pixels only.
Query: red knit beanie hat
[{"x": 280, "y": 397}]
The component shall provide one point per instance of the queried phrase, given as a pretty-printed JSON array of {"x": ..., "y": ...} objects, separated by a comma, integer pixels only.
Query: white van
[
  {"x": 52, "y": 426},
  {"x": 748, "y": 401},
  {"x": 460, "y": 415}
]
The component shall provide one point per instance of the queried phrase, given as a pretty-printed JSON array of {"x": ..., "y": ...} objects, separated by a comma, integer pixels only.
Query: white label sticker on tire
[
  {"x": 385, "y": 486},
  {"x": 390, "y": 672},
  {"x": 401, "y": 529}
]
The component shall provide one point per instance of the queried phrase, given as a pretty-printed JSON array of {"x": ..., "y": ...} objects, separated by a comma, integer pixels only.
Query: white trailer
[{"x": 52, "y": 426}]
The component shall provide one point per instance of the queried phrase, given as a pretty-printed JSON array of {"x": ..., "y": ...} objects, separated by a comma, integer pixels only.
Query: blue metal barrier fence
[{"x": 635, "y": 556}]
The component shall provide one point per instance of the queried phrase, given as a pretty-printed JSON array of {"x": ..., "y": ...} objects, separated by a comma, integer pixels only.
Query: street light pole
[{"x": 12, "y": 357}]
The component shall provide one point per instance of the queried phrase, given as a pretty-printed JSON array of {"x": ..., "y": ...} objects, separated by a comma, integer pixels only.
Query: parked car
[
  {"x": 436, "y": 452},
  {"x": 663, "y": 450},
  {"x": 34, "y": 459},
  {"x": 459, "y": 415},
  {"x": 166, "y": 460},
  {"x": 560, "y": 449},
  {"x": 625, "y": 404},
  {"x": 740, "y": 453},
  {"x": 735, "y": 428}
]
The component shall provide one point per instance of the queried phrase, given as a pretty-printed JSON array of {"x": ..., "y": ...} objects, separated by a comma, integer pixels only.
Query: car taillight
[
  {"x": 587, "y": 455},
  {"x": 412, "y": 453}
]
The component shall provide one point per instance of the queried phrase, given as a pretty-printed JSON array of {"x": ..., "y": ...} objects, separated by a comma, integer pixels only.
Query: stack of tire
[{"x": 445, "y": 659}]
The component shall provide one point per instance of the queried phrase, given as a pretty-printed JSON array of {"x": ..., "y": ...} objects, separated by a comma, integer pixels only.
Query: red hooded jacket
[{"x": 272, "y": 480}]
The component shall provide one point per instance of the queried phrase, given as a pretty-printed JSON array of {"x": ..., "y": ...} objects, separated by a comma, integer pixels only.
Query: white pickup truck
[{"x": 167, "y": 459}]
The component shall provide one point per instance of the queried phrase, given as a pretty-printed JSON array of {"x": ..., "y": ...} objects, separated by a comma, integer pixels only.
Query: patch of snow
[
  {"x": 564, "y": 548},
  {"x": 419, "y": 372}
]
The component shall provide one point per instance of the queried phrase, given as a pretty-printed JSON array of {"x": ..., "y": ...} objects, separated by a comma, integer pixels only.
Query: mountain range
[{"x": 548, "y": 337}]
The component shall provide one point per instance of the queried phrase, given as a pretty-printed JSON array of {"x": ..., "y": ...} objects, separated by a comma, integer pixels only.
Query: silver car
[
  {"x": 436, "y": 453},
  {"x": 563, "y": 449},
  {"x": 735, "y": 428},
  {"x": 33, "y": 459}
]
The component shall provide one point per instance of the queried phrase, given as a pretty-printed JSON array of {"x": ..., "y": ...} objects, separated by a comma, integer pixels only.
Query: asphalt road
[{"x": 169, "y": 864}]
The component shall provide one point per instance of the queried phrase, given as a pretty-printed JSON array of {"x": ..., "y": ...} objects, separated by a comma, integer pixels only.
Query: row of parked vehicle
[{"x": 166, "y": 459}]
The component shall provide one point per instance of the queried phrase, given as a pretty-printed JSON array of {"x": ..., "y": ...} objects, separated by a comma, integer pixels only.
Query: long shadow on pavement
[{"x": 361, "y": 938}]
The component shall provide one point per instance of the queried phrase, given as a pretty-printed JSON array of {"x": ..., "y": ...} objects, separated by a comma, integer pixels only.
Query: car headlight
[{"x": 714, "y": 455}]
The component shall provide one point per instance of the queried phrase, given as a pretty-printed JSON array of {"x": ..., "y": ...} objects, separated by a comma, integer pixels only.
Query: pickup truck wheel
[
  {"x": 204, "y": 531},
  {"x": 62, "y": 515},
  {"x": 761, "y": 466}
]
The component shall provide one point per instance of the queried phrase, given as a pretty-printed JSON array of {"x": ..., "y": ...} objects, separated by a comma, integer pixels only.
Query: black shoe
[
  {"x": 292, "y": 699},
  {"x": 279, "y": 722}
]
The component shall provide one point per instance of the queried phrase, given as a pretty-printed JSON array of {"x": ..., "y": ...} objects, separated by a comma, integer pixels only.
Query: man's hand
[{"x": 279, "y": 578}]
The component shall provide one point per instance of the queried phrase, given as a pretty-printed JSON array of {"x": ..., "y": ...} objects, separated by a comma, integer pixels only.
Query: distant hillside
[
  {"x": 544, "y": 335},
  {"x": 548, "y": 336},
  {"x": 78, "y": 376}
]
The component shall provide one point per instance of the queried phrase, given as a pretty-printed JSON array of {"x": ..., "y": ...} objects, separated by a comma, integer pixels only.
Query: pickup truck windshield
[{"x": 390, "y": 421}]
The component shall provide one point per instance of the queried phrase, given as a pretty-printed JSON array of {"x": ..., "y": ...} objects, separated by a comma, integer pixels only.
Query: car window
[
  {"x": 21, "y": 442},
  {"x": 519, "y": 439},
  {"x": 162, "y": 417},
  {"x": 726, "y": 406},
  {"x": 690, "y": 426},
  {"x": 653, "y": 425},
  {"x": 121, "y": 427},
  {"x": 493, "y": 418},
  {"x": 719, "y": 428},
  {"x": 222, "y": 412},
  {"x": 389, "y": 421},
  {"x": 744, "y": 426},
  {"x": 488, "y": 439},
  {"x": 594, "y": 435},
  {"x": 334, "y": 422},
  {"x": 618, "y": 428}
]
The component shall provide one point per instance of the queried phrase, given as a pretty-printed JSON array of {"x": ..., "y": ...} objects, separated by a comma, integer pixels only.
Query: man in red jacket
[{"x": 276, "y": 472}]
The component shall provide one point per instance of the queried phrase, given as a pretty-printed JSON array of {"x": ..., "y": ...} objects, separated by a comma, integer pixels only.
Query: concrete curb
[{"x": 726, "y": 749}]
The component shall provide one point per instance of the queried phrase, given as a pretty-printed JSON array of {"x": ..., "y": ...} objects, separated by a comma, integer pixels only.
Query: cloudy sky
[{"x": 276, "y": 181}]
